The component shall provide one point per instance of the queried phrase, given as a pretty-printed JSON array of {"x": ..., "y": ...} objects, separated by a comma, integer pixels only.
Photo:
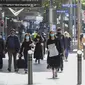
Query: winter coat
[{"x": 13, "y": 43}]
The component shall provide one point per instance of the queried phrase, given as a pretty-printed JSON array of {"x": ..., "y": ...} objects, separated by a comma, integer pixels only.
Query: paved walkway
[{"x": 42, "y": 76}]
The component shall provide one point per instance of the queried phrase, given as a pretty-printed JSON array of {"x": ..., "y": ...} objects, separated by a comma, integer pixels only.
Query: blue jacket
[{"x": 12, "y": 42}]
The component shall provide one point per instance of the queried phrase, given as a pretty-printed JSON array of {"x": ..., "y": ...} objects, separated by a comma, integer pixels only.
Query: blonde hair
[{"x": 66, "y": 34}]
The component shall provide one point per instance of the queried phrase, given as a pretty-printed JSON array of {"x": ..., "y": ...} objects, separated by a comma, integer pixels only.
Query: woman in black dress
[
  {"x": 38, "y": 49},
  {"x": 25, "y": 47},
  {"x": 54, "y": 53}
]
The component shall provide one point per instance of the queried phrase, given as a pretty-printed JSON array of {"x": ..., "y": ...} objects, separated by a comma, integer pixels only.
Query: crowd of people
[{"x": 57, "y": 44}]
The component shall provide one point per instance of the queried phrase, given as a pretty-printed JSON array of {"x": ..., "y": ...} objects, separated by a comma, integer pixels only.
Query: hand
[{"x": 42, "y": 44}]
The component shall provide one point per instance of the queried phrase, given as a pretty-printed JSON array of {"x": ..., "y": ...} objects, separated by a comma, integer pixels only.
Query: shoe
[
  {"x": 61, "y": 69},
  {"x": 25, "y": 72},
  {"x": 9, "y": 70}
]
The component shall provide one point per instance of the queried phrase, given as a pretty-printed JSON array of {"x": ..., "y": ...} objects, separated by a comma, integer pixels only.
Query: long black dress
[
  {"x": 38, "y": 49},
  {"x": 54, "y": 61}
]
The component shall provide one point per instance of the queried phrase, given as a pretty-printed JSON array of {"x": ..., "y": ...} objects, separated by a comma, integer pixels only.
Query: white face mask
[{"x": 27, "y": 38}]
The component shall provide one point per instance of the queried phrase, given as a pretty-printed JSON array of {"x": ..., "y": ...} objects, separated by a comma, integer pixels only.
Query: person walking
[
  {"x": 54, "y": 53},
  {"x": 67, "y": 40},
  {"x": 38, "y": 54},
  {"x": 12, "y": 46},
  {"x": 2, "y": 51},
  {"x": 60, "y": 36},
  {"x": 25, "y": 47}
]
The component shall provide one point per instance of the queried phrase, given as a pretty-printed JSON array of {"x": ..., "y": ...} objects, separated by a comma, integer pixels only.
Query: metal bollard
[
  {"x": 79, "y": 67},
  {"x": 30, "y": 72}
]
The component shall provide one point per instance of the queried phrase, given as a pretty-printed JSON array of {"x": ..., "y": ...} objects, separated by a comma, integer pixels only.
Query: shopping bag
[
  {"x": 20, "y": 63},
  {"x": 52, "y": 50}
]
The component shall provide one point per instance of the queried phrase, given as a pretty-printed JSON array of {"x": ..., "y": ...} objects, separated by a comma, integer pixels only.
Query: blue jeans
[{"x": 66, "y": 53}]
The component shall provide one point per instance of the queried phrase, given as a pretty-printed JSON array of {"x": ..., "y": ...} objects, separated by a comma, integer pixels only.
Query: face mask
[
  {"x": 52, "y": 35},
  {"x": 27, "y": 38}
]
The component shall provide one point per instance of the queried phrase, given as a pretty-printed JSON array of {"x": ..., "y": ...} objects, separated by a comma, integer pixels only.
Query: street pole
[
  {"x": 2, "y": 27},
  {"x": 79, "y": 53},
  {"x": 70, "y": 17},
  {"x": 30, "y": 72},
  {"x": 51, "y": 15},
  {"x": 74, "y": 23}
]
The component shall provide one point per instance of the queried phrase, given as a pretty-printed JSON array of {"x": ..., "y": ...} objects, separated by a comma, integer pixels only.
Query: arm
[
  {"x": 17, "y": 44},
  {"x": 21, "y": 49}
]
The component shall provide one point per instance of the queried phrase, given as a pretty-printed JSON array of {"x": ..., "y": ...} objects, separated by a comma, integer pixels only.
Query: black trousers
[
  {"x": 12, "y": 53},
  {"x": 25, "y": 57},
  {"x": 1, "y": 62},
  {"x": 61, "y": 63}
]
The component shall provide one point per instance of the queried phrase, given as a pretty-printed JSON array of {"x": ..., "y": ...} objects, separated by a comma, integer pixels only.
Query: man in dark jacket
[
  {"x": 12, "y": 46},
  {"x": 61, "y": 38}
]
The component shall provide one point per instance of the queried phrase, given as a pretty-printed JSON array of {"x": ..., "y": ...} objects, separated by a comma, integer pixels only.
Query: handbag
[
  {"x": 52, "y": 50},
  {"x": 21, "y": 63}
]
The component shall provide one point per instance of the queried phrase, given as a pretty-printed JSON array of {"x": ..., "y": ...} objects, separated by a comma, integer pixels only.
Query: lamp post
[
  {"x": 51, "y": 14},
  {"x": 79, "y": 53},
  {"x": 70, "y": 17}
]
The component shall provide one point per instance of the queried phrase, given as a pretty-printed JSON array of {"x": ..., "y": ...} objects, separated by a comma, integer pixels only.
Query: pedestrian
[
  {"x": 83, "y": 45},
  {"x": 60, "y": 36},
  {"x": 67, "y": 40},
  {"x": 54, "y": 53},
  {"x": 38, "y": 54},
  {"x": 25, "y": 47},
  {"x": 2, "y": 51},
  {"x": 12, "y": 46}
]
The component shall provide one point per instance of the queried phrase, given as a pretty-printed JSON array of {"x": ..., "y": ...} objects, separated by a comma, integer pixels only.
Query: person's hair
[
  {"x": 28, "y": 35},
  {"x": 66, "y": 34}
]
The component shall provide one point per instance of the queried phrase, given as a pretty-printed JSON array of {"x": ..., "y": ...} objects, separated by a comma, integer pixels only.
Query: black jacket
[{"x": 25, "y": 46}]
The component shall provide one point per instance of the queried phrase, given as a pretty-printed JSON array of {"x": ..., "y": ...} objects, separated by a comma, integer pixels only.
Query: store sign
[
  {"x": 20, "y": 3},
  {"x": 69, "y": 5},
  {"x": 62, "y": 11}
]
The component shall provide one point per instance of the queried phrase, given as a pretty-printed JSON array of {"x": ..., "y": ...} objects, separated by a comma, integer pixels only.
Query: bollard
[
  {"x": 79, "y": 67},
  {"x": 30, "y": 72}
]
